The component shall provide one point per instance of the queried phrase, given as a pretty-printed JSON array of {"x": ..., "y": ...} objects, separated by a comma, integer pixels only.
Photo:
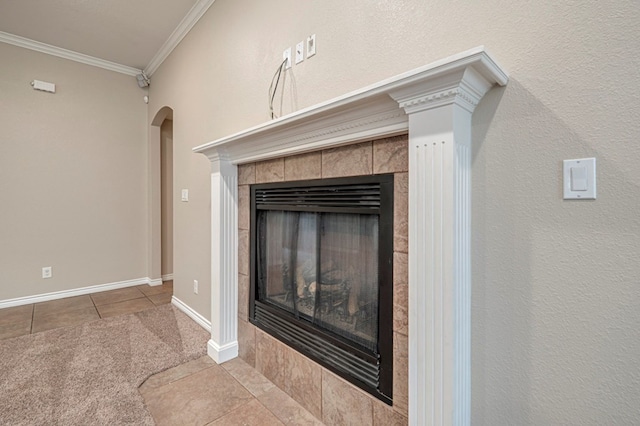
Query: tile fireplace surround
[{"x": 358, "y": 134}]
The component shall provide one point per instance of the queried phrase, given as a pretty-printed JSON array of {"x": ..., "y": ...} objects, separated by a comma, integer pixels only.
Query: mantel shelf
[{"x": 365, "y": 114}]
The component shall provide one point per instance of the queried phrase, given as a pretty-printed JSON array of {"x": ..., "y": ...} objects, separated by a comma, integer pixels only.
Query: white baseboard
[
  {"x": 222, "y": 354},
  {"x": 154, "y": 282},
  {"x": 74, "y": 292},
  {"x": 167, "y": 277},
  {"x": 199, "y": 319}
]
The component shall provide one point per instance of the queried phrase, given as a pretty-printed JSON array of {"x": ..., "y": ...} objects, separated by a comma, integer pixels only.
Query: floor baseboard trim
[
  {"x": 224, "y": 353},
  {"x": 167, "y": 277},
  {"x": 199, "y": 319},
  {"x": 26, "y": 300}
]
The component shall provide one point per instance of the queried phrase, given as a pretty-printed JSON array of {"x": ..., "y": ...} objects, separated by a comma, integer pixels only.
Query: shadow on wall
[{"x": 555, "y": 298}]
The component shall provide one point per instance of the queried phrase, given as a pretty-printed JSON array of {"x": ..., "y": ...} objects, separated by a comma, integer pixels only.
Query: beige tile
[
  {"x": 303, "y": 166},
  {"x": 16, "y": 314},
  {"x": 383, "y": 415},
  {"x": 286, "y": 409},
  {"x": 63, "y": 318},
  {"x": 401, "y": 182},
  {"x": 161, "y": 298},
  {"x": 244, "y": 207},
  {"x": 15, "y": 329},
  {"x": 63, "y": 305},
  {"x": 251, "y": 413},
  {"x": 401, "y": 293},
  {"x": 243, "y": 296},
  {"x": 248, "y": 376},
  {"x": 351, "y": 160},
  {"x": 197, "y": 399},
  {"x": 247, "y": 342},
  {"x": 270, "y": 358},
  {"x": 400, "y": 217},
  {"x": 391, "y": 155},
  {"x": 126, "y": 307},
  {"x": 270, "y": 171},
  {"x": 246, "y": 174},
  {"x": 148, "y": 290},
  {"x": 401, "y": 374},
  {"x": 343, "y": 404},
  {"x": 304, "y": 381},
  {"x": 119, "y": 295},
  {"x": 176, "y": 373},
  {"x": 243, "y": 251}
]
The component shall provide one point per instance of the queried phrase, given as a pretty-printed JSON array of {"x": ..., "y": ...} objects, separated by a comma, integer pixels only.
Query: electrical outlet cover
[
  {"x": 311, "y": 45},
  {"x": 287, "y": 55},
  {"x": 299, "y": 52}
]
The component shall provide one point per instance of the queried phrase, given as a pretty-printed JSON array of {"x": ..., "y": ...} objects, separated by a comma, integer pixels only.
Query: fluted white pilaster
[
  {"x": 439, "y": 248},
  {"x": 223, "y": 345}
]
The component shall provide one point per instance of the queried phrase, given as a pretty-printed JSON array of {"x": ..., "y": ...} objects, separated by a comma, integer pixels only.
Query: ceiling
[{"x": 137, "y": 34}]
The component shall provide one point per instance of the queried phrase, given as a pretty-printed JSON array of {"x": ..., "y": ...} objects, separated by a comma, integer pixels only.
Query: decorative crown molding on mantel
[
  {"x": 367, "y": 113},
  {"x": 66, "y": 54},
  {"x": 434, "y": 104}
]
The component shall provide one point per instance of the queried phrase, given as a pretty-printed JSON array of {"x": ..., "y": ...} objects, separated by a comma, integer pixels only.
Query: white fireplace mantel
[{"x": 434, "y": 104}]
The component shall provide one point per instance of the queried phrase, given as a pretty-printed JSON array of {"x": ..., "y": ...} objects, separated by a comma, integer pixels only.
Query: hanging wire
[{"x": 272, "y": 95}]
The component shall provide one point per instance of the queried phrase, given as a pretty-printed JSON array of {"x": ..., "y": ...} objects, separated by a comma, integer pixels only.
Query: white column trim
[
  {"x": 223, "y": 345},
  {"x": 436, "y": 104}
]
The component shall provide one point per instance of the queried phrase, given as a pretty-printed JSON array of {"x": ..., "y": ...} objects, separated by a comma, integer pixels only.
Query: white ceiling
[{"x": 133, "y": 33}]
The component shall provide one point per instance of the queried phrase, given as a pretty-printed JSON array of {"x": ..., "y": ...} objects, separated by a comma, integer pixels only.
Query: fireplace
[
  {"x": 434, "y": 105},
  {"x": 322, "y": 273}
]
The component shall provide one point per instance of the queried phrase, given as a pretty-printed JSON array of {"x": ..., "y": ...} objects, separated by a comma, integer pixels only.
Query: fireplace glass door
[{"x": 322, "y": 268}]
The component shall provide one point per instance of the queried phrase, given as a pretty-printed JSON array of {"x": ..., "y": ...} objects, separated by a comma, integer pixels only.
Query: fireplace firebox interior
[{"x": 322, "y": 273}]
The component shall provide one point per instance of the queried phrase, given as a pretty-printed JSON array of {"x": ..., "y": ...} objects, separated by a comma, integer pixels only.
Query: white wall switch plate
[
  {"x": 185, "y": 195},
  {"x": 195, "y": 286},
  {"x": 299, "y": 52},
  {"x": 311, "y": 45},
  {"x": 47, "y": 272},
  {"x": 579, "y": 179}
]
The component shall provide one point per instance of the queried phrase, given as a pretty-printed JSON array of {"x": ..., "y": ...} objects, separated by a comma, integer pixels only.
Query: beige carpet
[{"x": 89, "y": 374}]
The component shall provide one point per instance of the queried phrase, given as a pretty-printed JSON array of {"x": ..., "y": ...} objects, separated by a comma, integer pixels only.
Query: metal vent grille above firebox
[{"x": 322, "y": 273}]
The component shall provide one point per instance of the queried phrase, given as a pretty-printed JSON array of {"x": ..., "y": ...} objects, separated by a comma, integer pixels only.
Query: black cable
[{"x": 272, "y": 95}]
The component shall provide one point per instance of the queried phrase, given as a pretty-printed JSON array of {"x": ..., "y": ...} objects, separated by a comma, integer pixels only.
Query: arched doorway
[{"x": 161, "y": 197}]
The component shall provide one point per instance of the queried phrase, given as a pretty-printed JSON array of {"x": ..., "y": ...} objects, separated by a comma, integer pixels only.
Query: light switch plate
[
  {"x": 185, "y": 195},
  {"x": 579, "y": 179}
]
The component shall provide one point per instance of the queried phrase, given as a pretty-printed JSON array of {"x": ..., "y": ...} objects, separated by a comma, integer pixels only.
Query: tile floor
[
  {"x": 202, "y": 392},
  {"x": 33, "y": 318},
  {"x": 199, "y": 392}
]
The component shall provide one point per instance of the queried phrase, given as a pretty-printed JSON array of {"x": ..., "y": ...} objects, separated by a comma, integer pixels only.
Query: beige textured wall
[
  {"x": 166, "y": 178},
  {"x": 72, "y": 175},
  {"x": 556, "y": 294}
]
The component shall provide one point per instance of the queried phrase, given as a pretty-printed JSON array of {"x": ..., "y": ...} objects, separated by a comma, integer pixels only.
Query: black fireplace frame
[{"x": 370, "y": 371}]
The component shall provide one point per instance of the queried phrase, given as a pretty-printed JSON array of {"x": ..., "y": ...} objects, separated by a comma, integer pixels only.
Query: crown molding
[
  {"x": 66, "y": 54},
  {"x": 178, "y": 34}
]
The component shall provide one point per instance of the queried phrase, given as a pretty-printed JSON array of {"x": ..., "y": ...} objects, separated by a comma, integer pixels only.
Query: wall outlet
[
  {"x": 299, "y": 52},
  {"x": 311, "y": 45},
  {"x": 287, "y": 55},
  {"x": 195, "y": 286},
  {"x": 47, "y": 272}
]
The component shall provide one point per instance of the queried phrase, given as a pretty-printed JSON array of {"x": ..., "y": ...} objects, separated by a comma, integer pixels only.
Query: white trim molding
[
  {"x": 434, "y": 104},
  {"x": 167, "y": 277},
  {"x": 19, "y": 301},
  {"x": 186, "y": 309},
  {"x": 178, "y": 34},
  {"x": 67, "y": 54}
]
